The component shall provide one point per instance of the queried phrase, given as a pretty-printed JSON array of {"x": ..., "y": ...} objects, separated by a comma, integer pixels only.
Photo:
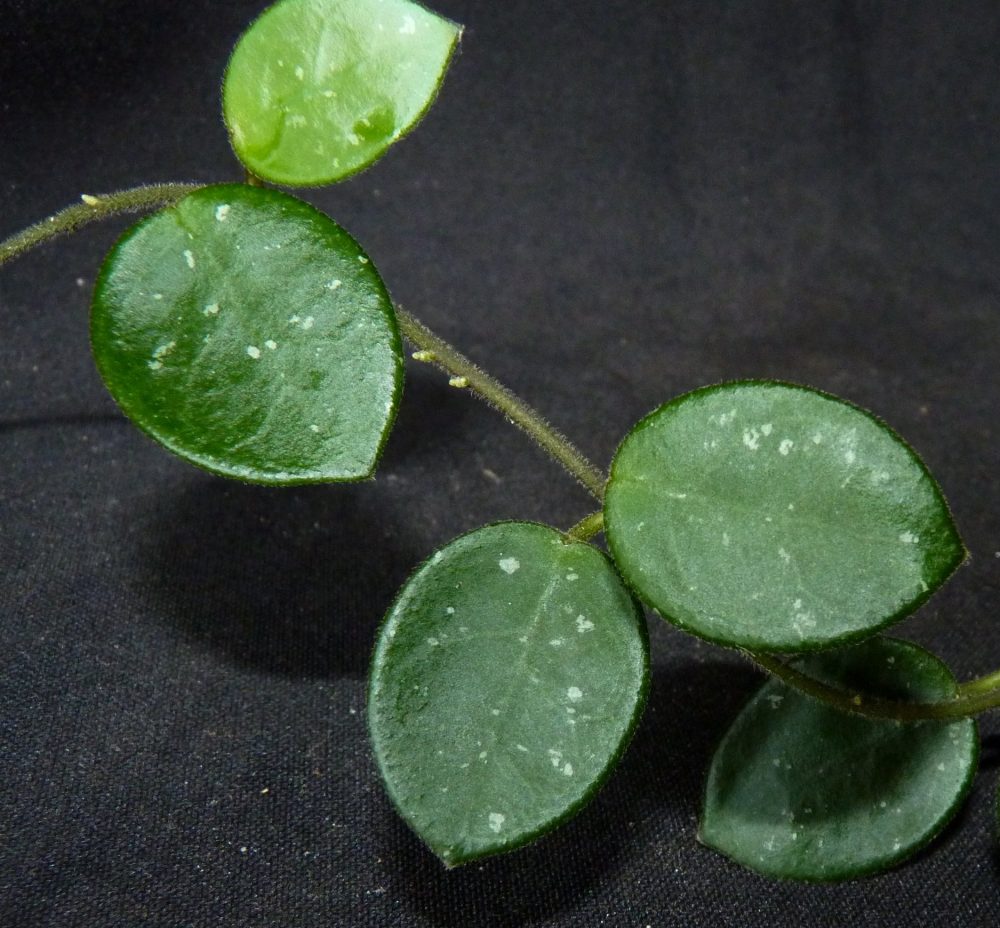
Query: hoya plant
[{"x": 251, "y": 335}]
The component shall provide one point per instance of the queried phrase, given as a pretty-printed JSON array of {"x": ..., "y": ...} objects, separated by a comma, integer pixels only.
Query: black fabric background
[{"x": 610, "y": 203}]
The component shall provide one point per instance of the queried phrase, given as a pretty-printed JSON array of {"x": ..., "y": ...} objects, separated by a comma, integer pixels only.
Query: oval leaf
[
  {"x": 506, "y": 682},
  {"x": 318, "y": 89},
  {"x": 776, "y": 518},
  {"x": 250, "y": 334},
  {"x": 800, "y": 790}
]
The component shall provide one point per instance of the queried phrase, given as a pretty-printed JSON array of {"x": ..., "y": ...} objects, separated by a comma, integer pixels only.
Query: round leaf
[
  {"x": 250, "y": 334},
  {"x": 506, "y": 682},
  {"x": 802, "y": 791},
  {"x": 776, "y": 518},
  {"x": 318, "y": 89}
]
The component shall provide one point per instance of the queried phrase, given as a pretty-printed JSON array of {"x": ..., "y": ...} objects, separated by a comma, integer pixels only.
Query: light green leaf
[
  {"x": 776, "y": 518},
  {"x": 802, "y": 791},
  {"x": 249, "y": 334},
  {"x": 506, "y": 682},
  {"x": 319, "y": 89}
]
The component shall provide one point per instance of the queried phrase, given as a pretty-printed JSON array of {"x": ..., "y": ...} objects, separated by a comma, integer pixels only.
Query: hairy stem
[
  {"x": 93, "y": 208},
  {"x": 587, "y": 527},
  {"x": 981, "y": 685},
  {"x": 464, "y": 373},
  {"x": 966, "y": 703}
]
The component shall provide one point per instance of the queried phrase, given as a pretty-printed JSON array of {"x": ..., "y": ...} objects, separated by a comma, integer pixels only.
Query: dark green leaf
[
  {"x": 318, "y": 89},
  {"x": 802, "y": 791},
  {"x": 250, "y": 334},
  {"x": 506, "y": 682},
  {"x": 776, "y": 518}
]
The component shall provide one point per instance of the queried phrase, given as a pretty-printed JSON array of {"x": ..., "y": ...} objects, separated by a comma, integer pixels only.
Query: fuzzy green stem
[
  {"x": 93, "y": 208},
  {"x": 587, "y": 527},
  {"x": 964, "y": 704},
  {"x": 986, "y": 684},
  {"x": 465, "y": 374}
]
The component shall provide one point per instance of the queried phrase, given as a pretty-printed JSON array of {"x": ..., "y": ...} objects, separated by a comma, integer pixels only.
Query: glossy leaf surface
[
  {"x": 250, "y": 334},
  {"x": 506, "y": 682},
  {"x": 800, "y": 790},
  {"x": 318, "y": 89},
  {"x": 776, "y": 518}
]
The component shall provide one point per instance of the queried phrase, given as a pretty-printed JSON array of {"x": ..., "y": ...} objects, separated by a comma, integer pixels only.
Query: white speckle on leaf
[
  {"x": 510, "y": 565},
  {"x": 766, "y": 429},
  {"x": 775, "y": 701},
  {"x": 253, "y": 351},
  {"x": 189, "y": 258},
  {"x": 908, "y": 538},
  {"x": 294, "y": 320},
  {"x": 300, "y": 73},
  {"x": 212, "y": 309},
  {"x": 784, "y": 555},
  {"x": 450, "y": 610},
  {"x": 433, "y": 642},
  {"x": 271, "y": 344},
  {"x": 164, "y": 350},
  {"x": 409, "y": 26},
  {"x": 571, "y": 576},
  {"x": 157, "y": 296},
  {"x": 222, "y": 212},
  {"x": 362, "y": 259},
  {"x": 785, "y": 446},
  {"x": 568, "y": 769},
  {"x": 817, "y": 439},
  {"x": 725, "y": 539},
  {"x": 495, "y": 711},
  {"x": 314, "y": 427},
  {"x": 751, "y": 438},
  {"x": 496, "y": 821},
  {"x": 583, "y": 624},
  {"x": 557, "y": 642},
  {"x": 574, "y": 693},
  {"x": 334, "y": 284},
  {"x": 521, "y": 747},
  {"x": 850, "y": 456},
  {"x": 308, "y": 322}
]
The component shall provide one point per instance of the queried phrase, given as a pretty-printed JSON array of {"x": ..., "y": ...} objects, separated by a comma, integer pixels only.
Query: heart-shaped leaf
[
  {"x": 800, "y": 790},
  {"x": 318, "y": 89},
  {"x": 506, "y": 682},
  {"x": 250, "y": 334},
  {"x": 776, "y": 518}
]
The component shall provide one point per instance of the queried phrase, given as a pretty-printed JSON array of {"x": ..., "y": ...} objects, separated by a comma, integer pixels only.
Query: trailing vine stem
[
  {"x": 587, "y": 527},
  {"x": 971, "y": 698},
  {"x": 464, "y": 374},
  {"x": 93, "y": 208}
]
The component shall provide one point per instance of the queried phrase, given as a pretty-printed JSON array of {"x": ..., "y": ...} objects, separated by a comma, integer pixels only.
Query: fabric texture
[{"x": 608, "y": 205}]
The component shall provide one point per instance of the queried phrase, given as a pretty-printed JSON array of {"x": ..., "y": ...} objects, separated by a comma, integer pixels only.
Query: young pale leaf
[
  {"x": 250, "y": 334},
  {"x": 802, "y": 791},
  {"x": 776, "y": 518},
  {"x": 506, "y": 682},
  {"x": 318, "y": 89}
]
